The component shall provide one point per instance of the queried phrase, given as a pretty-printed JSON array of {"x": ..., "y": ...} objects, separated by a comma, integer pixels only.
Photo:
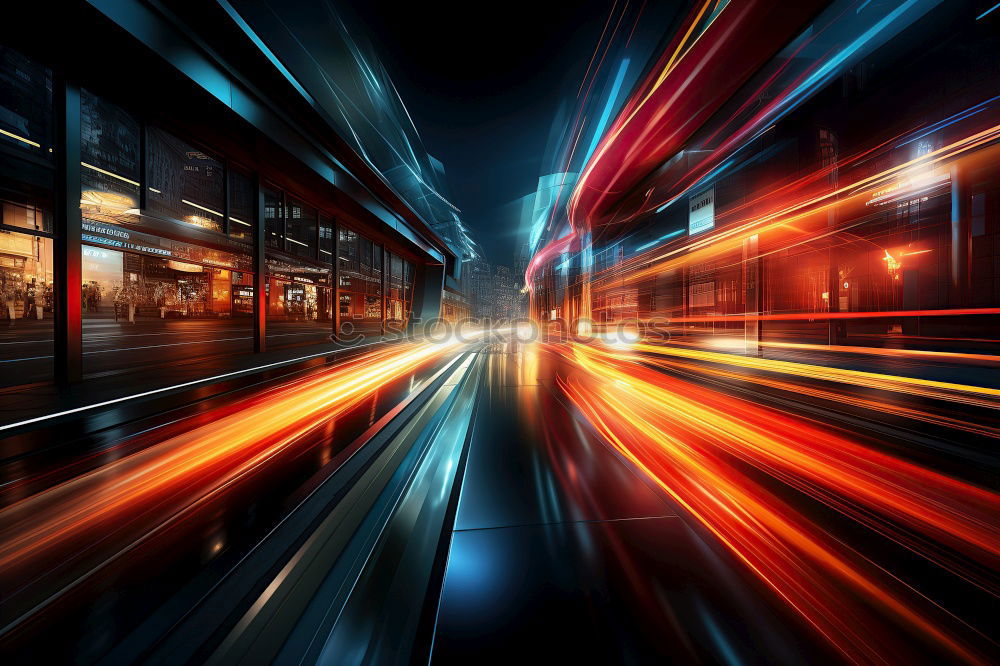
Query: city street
[{"x": 380, "y": 333}]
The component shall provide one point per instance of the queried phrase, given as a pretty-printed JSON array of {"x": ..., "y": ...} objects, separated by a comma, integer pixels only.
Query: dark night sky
[{"x": 482, "y": 82}]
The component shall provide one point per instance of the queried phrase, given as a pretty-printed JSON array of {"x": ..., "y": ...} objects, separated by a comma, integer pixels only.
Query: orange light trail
[
  {"x": 897, "y": 352},
  {"x": 886, "y": 351},
  {"x": 845, "y": 396},
  {"x": 978, "y": 395},
  {"x": 73, "y": 526},
  {"x": 785, "y": 217},
  {"x": 683, "y": 437}
]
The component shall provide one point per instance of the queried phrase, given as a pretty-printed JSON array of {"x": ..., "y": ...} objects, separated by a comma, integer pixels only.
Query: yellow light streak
[
  {"x": 109, "y": 173},
  {"x": 20, "y": 138}
]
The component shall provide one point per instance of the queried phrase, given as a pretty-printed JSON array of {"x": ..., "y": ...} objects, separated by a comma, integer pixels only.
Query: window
[
  {"x": 326, "y": 227},
  {"x": 360, "y": 281},
  {"x": 25, "y": 104},
  {"x": 26, "y": 216},
  {"x": 301, "y": 229},
  {"x": 185, "y": 183},
  {"x": 274, "y": 219},
  {"x": 109, "y": 155},
  {"x": 398, "y": 297},
  {"x": 26, "y": 302},
  {"x": 300, "y": 294},
  {"x": 348, "y": 258},
  {"x": 241, "y": 217}
]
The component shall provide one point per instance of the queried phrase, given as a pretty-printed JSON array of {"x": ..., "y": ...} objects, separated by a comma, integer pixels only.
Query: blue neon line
[
  {"x": 988, "y": 11},
  {"x": 233, "y": 14},
  {"x": 659, "y": 240},
  {"x": 606, "y": 114},
  {"x": 940, "y": 127},
  {"x": 961, "y": 115}
]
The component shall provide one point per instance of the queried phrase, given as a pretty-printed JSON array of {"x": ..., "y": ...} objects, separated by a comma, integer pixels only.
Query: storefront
[
  {"x": 169, "y": 235},
  {"x": 25, "y": 276},
  {"x": 300, "y": 298},
  {"x": 129, "y": 274}
]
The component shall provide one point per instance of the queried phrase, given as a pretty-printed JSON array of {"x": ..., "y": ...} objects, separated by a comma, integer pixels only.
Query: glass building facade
[{"x": 169, "y": 267}]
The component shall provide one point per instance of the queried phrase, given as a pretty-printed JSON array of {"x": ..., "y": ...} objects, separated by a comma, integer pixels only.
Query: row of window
[
  {"x": 183, "y": 294},
  {"x": 182, "y": 182}
]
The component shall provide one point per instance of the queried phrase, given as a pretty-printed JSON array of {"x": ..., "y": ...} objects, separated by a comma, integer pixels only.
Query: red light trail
[
  {"x": 686, "y": 438},
  {"x": 66, "y": 533}
]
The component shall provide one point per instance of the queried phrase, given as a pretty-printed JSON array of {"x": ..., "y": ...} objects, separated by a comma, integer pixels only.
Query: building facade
[
  {"x": 840, "y": 220},
  {"x": 168, "y": 185},
  {"x": 506, "y": 295}
]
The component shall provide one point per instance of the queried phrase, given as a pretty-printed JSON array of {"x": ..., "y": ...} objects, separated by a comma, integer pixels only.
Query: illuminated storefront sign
[
  {"x": 123, "y": 239},
  {"x": 701, "y": 212},
  {"x": 118, "y": 238}
]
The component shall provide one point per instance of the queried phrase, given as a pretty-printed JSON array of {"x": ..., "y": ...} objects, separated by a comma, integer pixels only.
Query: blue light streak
[
  {"x": 610, "y": 104},
  {"x": 659, "y": 240},
  {"x": 989, "y": 11}
]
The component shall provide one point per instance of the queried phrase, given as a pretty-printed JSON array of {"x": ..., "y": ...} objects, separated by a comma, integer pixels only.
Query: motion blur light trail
[
  {"x": 686, "y": 437},
  {"x": 897, "y": 487},
  {"x": 844, "y": 395},
  {"x": 796, "y": 211},
  {"x": 883, "y": 351},
  {"x": 977, "y": 395},
  {"x": 64, "y": 534}
]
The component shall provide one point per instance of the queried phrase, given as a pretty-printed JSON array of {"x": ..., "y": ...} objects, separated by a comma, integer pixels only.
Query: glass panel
[
  {"x": 184, "y": 183},
  {"x": 274, "y": 219},
  {"x": 26, "y": 216},
  {"x": 240, "y": 205},
  {"x": 243, "y": 291},
  {"x": 25, "y": 104},
  {"x": 400, "y": 282},
  {"x": 326, "y": 227},
  {"x": 301, "y": 229},
  {"x": 26, "y": 324},
  {"x": 360, "y": 284},
  {"x": 299, "y": 308},
  {"x": 109, "y": 153},
  {"x": 135, "y": 302}
]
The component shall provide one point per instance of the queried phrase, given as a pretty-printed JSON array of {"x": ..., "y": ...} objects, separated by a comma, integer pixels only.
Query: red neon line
[{"x": 840, "y": 315}]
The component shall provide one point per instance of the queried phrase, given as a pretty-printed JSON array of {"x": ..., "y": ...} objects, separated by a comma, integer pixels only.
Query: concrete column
[{"x": 68, "y": 263}]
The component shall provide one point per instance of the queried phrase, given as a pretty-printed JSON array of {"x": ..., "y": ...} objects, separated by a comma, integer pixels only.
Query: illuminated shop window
[
  {"x": 26, "y": 216},
  {"x": 26, "y": 302}
]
